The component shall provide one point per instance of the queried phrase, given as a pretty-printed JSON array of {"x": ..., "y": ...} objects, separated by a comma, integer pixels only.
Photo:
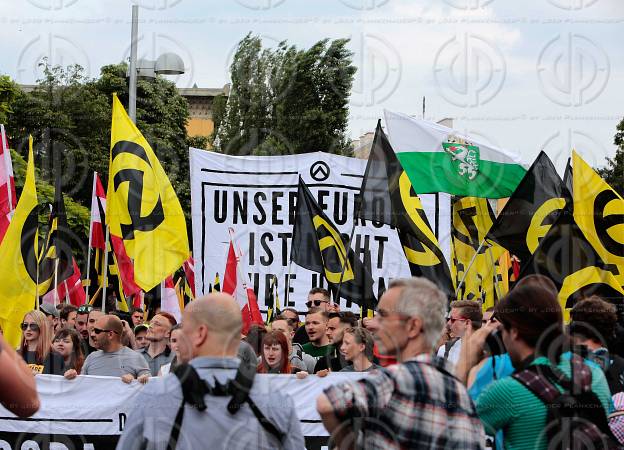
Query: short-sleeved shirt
[
  {"x": 317, "y": 352},
  {"x": 53, "y": 364},
  {"x": 416, "y": 404},
  {"x": 350, "y": 368},
  {"x": 155, "y": 363},
  {"x": 508, "y": 405},
  {"x": 115, "y": 364},
  {"x": 156, "y": 407}
]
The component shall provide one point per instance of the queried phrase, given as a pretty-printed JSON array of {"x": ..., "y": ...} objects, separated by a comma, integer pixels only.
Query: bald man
[{"x": 211, "y": 325}]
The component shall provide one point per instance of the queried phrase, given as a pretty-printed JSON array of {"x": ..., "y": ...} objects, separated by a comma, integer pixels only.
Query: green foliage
[
  {"x": 614, "y": 172},
  {"x": 77, "y": 214},
  {"x": 71, "y": 113},
  {"x": 286, "y": 100},
  {"x": 8, "y": 92}
]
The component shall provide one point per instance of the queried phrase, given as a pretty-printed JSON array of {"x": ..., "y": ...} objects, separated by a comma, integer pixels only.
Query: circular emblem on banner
[{"x": 319, "y": 171}]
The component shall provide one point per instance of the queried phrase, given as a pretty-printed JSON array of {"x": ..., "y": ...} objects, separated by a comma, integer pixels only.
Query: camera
[{"x": 494, "y": 343}]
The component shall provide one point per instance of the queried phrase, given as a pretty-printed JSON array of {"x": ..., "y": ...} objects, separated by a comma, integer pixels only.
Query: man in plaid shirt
[{"x": 416, "y": 403}]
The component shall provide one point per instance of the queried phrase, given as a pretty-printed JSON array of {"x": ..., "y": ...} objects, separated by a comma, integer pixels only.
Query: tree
[
  {"x": 71, "y": 114},
  {"x": 8, "y": 92},
  {"x": 614, "y": 172},
  {"x": 286, "y": 100}
]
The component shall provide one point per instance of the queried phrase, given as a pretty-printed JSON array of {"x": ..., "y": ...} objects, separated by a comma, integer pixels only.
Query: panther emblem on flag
[{"x": 465, "y": 158}]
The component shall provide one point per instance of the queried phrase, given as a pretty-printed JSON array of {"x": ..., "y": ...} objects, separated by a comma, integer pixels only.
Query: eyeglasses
[
  {"x": 32, "y": 326},
  {"x": 99, "y": 330},
  {"x": 455, "y": 319},
  {"x": 85, "y": 309},
  {"x": 316, "y": 302}
]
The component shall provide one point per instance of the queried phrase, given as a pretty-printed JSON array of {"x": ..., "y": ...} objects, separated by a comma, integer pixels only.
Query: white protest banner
[
  {"x": 256, "y": 195},
  {"x": 89, "y": 413}
]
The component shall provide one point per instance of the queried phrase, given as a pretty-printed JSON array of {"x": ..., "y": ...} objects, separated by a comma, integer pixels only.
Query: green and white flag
[{"x": 439, "y": 159}]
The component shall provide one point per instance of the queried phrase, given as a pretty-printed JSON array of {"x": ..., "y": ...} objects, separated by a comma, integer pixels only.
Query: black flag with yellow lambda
[
  {"x": 531, "y": 210},
  {"x": 317, "y": 245},
  {"x": 387, "y": 196},
  {"x": 566, "y": 257}
]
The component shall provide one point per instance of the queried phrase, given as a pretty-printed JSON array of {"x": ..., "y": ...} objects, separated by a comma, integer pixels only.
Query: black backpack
[
  {"x": 575, "y": 417},
  {"x": 194, "y": 389}
]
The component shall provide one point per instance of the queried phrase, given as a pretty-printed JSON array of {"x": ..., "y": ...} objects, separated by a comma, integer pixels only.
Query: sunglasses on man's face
[
  {"x": 99, "y": 330},
  {"x": 32, "y": 326},
  {"x": 85, "y": 309},
  {"x": 316, "y": 303}
]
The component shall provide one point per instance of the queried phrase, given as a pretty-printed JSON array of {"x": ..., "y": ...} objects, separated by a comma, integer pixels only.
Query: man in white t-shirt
[{"x": 464, "y": 315}]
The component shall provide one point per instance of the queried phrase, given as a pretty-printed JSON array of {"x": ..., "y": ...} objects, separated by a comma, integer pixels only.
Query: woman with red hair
[{"x": 275, "y": 354}]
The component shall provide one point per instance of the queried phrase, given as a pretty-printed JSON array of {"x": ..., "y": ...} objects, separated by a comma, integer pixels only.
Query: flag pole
[
  {"x": 105, "y": 278},
  {"x": 56, "y": 299},
  {"x": 6, "y": 154},
  {"x": 356, "y": 216},
  {"x": 88, "y": 273},
  {"x": 287, "y": 296}
]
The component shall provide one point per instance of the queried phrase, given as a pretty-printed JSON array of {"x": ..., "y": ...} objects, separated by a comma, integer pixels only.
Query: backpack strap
[{"x": 194, "y": 389}]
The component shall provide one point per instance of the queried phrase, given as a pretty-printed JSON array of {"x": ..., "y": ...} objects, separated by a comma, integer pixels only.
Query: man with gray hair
[
  {"x": 416, "y": 403},
  {"x": 211, "y": 326}
]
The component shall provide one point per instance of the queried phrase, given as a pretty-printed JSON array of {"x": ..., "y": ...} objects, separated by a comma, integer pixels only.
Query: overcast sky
[{"x": 530, "y": 75}]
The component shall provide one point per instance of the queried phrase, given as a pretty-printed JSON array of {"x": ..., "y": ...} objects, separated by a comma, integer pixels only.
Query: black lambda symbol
[
  {"x": 134, "y": 178},
  {"x": 319, "y": 171}
]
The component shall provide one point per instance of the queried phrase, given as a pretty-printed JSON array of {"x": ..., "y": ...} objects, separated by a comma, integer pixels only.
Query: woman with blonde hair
[
  {"x": 357, "y": 349},
  {"x": 36, "y": 345}
]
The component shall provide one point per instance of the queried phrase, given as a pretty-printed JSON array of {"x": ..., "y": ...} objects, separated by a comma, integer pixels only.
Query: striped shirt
[
  {"x": 508, "y": 405},
  {"x": 416, "y": 404}
]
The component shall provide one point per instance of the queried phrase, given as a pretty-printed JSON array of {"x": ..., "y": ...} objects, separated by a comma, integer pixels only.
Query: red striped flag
[
  {"x": 125, "y": 265},
  {"x": 189, "y": 272},
  {"x": 236, "y": 283},
  {"x": 7, "y": 185},
  {"x": 169, "y": 301},
  {"x": 70, "y": 289},
  {"x": 98, "y": 208}
]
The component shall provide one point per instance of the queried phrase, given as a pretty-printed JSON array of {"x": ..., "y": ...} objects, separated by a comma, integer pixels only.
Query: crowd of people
[{"x": 433, "y": 376}]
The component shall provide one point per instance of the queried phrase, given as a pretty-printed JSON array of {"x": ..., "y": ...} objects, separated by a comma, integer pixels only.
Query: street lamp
[{"x": 165, "y": 64}]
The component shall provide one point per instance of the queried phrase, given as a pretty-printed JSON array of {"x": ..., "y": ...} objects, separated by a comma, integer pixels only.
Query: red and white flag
[
  {"x": 97, "y": 235},
  {"x": 189, "y": 272},
  {"x": 98, "y": 208},
  {"x": 169, "y": 300},
  {"x": 7, "y": 185},
  {"x": 70, "y": 289},
  {"x": 236, "y": 283}
]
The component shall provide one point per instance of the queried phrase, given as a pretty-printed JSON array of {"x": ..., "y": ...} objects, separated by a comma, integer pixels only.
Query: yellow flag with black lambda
[
  {"x": 599, "y": 213},
  {"x": 142, "y": 208},
  {"x": 567, "y": 257},
  {"x": 19, "y": 253},
  {"x": 472, "y": 219}
]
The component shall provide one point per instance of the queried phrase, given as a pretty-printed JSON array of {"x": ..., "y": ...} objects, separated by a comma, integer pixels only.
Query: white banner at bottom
[{"x": 89, "y": 413}]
